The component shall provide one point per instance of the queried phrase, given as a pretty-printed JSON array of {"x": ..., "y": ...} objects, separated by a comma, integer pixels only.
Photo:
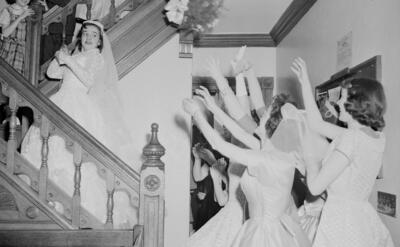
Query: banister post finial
[{"x": 154, "y": 150}]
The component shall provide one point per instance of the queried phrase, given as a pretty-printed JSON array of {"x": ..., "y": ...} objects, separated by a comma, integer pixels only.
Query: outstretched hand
[
  {"x": 299, "y": 68},
  {"x": 206, "y": 155},
  {"x": 27, "y": 12},
  {"x": 190, "y": 106},
  {"x": 239, "y": 64},
  {"x": 195, "y": 151},
  {"x": 206, "y": 98},
  {"x": 214, "y": 68}
]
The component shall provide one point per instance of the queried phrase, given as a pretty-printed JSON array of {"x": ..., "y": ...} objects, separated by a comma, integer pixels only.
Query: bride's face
[{"x": 90, "y": 37}]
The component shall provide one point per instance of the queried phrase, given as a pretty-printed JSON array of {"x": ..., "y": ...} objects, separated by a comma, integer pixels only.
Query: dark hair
[
  {"x": 275, "y": 116},
  {"x": 79, "y": 37},
  {"x": 13, "y": 1},
  {"x": 366, "y": 102}
]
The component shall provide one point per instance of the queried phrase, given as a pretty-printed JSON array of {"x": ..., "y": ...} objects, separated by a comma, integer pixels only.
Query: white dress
[
  {"x": 222, "y": 229},
  {"x": 267, "y": 188},
  {"x": 73, "y": 99},
  {"x": 348, "y": 219}
]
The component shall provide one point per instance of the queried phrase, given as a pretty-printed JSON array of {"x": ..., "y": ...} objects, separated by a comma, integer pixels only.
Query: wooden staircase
[
  {"x": 27, "y": 216},
  {"x": 138, "y": 30}
]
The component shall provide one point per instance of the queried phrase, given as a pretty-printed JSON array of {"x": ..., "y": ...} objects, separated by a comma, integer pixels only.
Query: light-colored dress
[
  {"x": 267, "y": 188},
  {"x": 12, "y": 48},
  {"x": 222, "y": 229},
  {"x": 348, "y": 219},
  {"x": 73, "y": 99}
]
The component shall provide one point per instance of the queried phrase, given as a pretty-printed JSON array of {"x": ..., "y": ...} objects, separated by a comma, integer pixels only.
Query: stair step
[{"x": 66, "y": 238}]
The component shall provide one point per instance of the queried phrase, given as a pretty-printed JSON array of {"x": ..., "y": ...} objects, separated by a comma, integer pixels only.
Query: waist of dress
[
  {"x": 346, "y": 199},
  {"x": 284, "y": 220}
]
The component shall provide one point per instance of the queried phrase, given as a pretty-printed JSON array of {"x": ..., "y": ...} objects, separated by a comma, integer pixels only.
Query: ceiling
[{"x": 250, "y": 16}]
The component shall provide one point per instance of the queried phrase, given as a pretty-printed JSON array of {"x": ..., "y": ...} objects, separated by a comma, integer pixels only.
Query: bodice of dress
[
  {"x": 90, "y": 61},
  {"x": 267, "y": 187},
  {"x": 365, "y": 153}
]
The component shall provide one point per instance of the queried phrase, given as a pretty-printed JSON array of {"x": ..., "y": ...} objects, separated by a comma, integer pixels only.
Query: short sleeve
[
  {"x": 55, "y": 71},
  {"x": 345, "y": 144},
  {"x": 4, "y": 18}
]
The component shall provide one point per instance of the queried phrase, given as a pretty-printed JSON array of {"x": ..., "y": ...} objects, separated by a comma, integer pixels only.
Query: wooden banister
[{"x": 16, "y": 82}]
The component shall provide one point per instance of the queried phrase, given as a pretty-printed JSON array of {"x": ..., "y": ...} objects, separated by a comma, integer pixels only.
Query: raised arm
[
  {"x": 55, "y": 70},
  {"x": 244, "y": 156},
  {"x": 85, "y": 74},
  {"x": 199, "y": 171},
  {"x": 314, "y": 117},
  {"x": 241, "y": 66},
  {"x": 320, "y": 177},
  {"x": 8, "y": 26},
  {"x": 220, "y": 195},
  {"x": 232, "y": 104},
  {"x": 238, "y": 132}
]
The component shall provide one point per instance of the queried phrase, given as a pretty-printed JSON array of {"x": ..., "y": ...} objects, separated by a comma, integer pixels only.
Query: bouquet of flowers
[{"x": 194, "y": 15}]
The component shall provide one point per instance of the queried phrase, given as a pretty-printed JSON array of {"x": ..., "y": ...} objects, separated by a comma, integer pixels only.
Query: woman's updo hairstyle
[
  {"x": 275, "y": 116},
  {"x": 366, "y": 102}
]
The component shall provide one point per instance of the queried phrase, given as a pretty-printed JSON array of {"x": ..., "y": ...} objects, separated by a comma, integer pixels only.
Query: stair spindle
[
  {"x": 110, "y": 199},
  {"x": 76, "y": 199},
  {"x": 44, "y": 170},
  {"x": 12, "y": 142}
]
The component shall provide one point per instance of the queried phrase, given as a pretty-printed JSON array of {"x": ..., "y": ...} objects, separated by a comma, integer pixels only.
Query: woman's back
[
  {"x": 365, "y": 154},
  {"x": 348, "y": 219}
]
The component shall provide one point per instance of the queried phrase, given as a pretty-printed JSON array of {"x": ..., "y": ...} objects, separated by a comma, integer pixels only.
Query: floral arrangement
[{"x": 194, "y": 15}]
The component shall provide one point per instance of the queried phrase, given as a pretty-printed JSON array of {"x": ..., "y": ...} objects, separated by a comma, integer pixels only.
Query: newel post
[{"x": 152, "y": 191}]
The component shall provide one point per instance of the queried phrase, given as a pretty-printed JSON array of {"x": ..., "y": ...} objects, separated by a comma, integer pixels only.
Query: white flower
[
  {"x": 175, "y": 17},
  {"x": 212, "y": 24},
  {"x": 177, "y": 5}
]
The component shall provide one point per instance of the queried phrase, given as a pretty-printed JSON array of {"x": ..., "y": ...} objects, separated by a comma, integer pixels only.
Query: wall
[
  {"x": 153, "y": 93},
  {"x": 375, "y": 29},
  {"x": 262, "y": 59}
]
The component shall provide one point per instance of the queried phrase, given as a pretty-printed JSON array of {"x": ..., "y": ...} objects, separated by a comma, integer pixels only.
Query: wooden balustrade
[{"x": 151, "y": 208}]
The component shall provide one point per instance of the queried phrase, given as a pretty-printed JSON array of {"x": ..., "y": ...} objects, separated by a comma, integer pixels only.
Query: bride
[{"x": 86, "y": 95}]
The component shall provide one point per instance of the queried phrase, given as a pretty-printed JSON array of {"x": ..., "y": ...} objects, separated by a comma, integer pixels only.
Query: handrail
[{"x": 68, "y": 126}]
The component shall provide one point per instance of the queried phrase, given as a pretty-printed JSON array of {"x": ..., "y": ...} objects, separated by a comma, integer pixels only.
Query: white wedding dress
[{"x": 73, "y": 99}]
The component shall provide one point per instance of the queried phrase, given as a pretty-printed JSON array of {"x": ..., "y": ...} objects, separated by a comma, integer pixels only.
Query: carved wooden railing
[{"x": 53, "y": 121}]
